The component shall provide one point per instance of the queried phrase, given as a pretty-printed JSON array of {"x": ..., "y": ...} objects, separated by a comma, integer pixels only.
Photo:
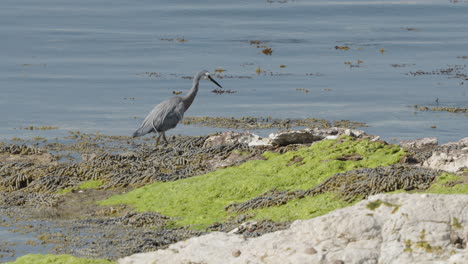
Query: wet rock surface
[{"x": 99, "y": 237}]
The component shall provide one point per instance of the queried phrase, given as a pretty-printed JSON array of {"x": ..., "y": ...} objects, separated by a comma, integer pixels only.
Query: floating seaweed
[
  {"x": 181, "y": 40},
  {"x": 266, "y": 122},
  {"x": 151, "y": 74},
  {"x": 258, "y": 71},
  {"x": 267, "y": 51},
  {"x": 351, "y": 65},
  {"x": 401, "y": 65},
  {"x": 314, "y": 74},
  {"x": 39, "y": 128},
  {"x": 444, "y": 109},
  {"x": 342, "y": 47},
  {"x": 221, "y": 91},
  {"x": 256, "y": 42},
  {"x": 451, "y": 70},
  {"x": 303, "y": 90}
]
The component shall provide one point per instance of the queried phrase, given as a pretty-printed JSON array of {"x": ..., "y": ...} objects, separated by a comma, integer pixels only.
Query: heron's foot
[
  {"x": 158, "y": 139},
  {"x": 165, "y": 139}
]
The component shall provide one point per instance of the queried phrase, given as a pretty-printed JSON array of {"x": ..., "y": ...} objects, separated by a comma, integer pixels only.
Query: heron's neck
[{"x": 188, "y": 98}]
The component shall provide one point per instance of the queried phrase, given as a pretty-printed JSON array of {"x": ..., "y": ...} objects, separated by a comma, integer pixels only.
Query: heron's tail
[
  {"x": 145, "y": 128},
  {"x": 140, "y": 132}
]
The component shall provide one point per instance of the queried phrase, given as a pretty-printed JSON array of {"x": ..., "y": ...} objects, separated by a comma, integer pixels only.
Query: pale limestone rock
[
  {"x": 310, "y": 135},
  {"x": 284, "y": 138},
  {"x": 236, "y": 137},
  {"x": 452, "y": 157},
  {"x": 419, "y": 143},
  {"x": 407, "y": 228}
]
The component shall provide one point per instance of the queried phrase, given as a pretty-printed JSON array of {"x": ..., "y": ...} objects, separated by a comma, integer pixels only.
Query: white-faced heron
[{"x": 168, "y": 113}]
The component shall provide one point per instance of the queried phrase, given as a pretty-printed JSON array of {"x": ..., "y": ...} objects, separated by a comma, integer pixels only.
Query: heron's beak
[{"x": 211, "y": 79}]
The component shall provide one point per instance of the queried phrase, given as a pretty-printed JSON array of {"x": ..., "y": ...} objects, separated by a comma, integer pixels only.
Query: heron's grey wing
[
  {"x": 164, "y": 116},
  {"x": 174, "y": 112}
]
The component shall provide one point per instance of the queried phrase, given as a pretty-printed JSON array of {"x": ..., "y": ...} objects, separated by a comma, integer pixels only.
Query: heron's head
[{"x": 206, "y": 76}]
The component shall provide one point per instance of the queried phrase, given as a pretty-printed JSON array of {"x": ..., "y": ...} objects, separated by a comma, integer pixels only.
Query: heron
[{"x": 168, "y": 113}]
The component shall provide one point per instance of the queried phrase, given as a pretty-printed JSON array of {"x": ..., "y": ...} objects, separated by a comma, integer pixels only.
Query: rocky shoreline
[
  {"x": 39, "y": 183},
  {"x": 398, "y": 228}
]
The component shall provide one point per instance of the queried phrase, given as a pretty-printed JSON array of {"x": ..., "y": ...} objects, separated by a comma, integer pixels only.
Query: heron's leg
[
  {"x": 157, "y": 140},
  {"x": 164, "y": 136}
]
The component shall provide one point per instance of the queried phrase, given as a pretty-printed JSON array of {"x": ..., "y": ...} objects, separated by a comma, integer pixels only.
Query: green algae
[
  {"x": 448, "y": 183},
  {"x": 200, "y": 201},
  {"x": 91, "y": 184},
  {"x": 456, "y": 223},
  {"x": 64, "y": 191},
  {"x": 377, "y": 203},
  {"x": 374, "y": 205},
  {"x": 57, "y": 259},
  {"x": 422, "y": 243},
  {"x": 305, "y": 208}
]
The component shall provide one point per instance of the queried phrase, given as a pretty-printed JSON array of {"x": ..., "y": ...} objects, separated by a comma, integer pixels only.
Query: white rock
[
  {"x": 309, "y": 135},
  {"x": 256, "y": 140},
  {"x": 452, "y": 157},
  {"x": 419, "y": 143},
  {"x": 282, "y": 138},
  {"x": 234, "y": 137},
  {"x": 408, "y": 228}
]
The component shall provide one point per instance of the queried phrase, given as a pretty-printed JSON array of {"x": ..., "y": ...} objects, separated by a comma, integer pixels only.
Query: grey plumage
[{"x": 168, "y": 113}]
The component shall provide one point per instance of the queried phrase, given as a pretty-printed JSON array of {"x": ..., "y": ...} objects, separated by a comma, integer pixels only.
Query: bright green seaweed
[
  {"x": 90, "y": 184},
  {"x": 57, "y": 259},
  {"x": 448, "y": 183},
  {"x": 200, "y": 201},
  {"x": 305, "y": 208}
]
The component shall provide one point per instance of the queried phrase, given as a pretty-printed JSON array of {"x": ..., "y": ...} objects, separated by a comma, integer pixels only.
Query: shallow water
[
  {"x": 80, "y": 66},
  {"x": 18, "y": 238}
]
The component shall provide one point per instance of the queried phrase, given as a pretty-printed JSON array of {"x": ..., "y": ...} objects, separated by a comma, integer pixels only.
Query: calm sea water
[{"x": 81, "y": 65}]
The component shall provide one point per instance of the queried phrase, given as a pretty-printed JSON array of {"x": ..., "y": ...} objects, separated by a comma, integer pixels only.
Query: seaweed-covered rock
[
  {"x": 399, "y": 228},
  {"x": 349, "y": 186},
  {"x": 26, "y": 154}
]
